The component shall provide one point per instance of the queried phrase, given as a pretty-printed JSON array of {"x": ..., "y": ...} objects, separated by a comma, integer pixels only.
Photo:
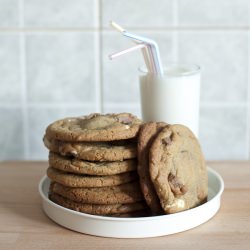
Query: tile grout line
[
  {"x": 248, "y": 98},
  {"x": 223, "y": 104},
  {"x": 248, "y": 92},
  {"x": 47, "y": 105},
  {"x": 80, "y": 104},
  {"x": 22, "y": 62},
  {"x": 175, "y": 32},
  {"x": 96, "y": 57},
  {"x": 157, "y": 29},
  {"x": 203, "y": 104},
  {"x": 99, "y": 61}
]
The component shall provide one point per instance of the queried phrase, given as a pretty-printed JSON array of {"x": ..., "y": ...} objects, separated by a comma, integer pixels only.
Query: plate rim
[{"x": 118, "y": 219}]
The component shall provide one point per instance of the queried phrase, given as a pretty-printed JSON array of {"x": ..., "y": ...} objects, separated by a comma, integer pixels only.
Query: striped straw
[{"x": 152, "y": 47}]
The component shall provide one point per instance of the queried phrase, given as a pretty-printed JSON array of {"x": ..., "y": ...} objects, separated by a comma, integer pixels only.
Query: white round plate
[{"x": 135, "y": 227}]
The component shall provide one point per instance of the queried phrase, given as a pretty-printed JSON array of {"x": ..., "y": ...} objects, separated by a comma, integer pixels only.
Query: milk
[{"x": 174, "y": 97}]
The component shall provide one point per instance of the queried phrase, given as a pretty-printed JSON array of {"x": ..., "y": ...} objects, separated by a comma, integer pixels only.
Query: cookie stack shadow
[{"x": 94, "y": 169}]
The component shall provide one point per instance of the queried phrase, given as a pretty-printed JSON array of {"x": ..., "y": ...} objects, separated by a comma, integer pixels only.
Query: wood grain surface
[{"x": 23, "y": 225}]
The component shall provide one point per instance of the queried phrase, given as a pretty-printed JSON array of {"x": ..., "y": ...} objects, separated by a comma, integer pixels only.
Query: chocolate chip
[
  {"x": 184, "y": 189},
  {"x": 176, "y": 187},
  {"x": 67, "y": 149},
  {"x": 167, "y": 141},
  {"x": 125, "y": 120},
  {"x": 91, "y": 116}
]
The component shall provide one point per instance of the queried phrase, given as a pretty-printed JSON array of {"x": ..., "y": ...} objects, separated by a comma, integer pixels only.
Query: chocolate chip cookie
[
  {"x": 177, "y": 169},
  {"x": 95, "y": 127},
  {"x": 98, "y": 209},
  {"x": 93, "y": 151},
  {"x": 72, "y": 165},
  {"x": 147, "y": 134},
  {"x": 122, "y": 194},
  {"x": 77, "y": 180}
]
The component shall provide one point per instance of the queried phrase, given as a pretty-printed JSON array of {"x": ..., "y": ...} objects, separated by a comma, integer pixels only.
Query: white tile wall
[
  {"x": 224, "y": 62},
  {"x": 223, "y": 131},
  {"x": 10, "y": 69},
  {"x": 60, "y": 67},
  {"x": 138, "y": 14},
  {"x": 9, "y": 15},
  {"x": 12, "y": 138},
  {"x": 54, "y": 63},
  {"x": 59, "y": 13},
  {"x": 213, "y": 13}
]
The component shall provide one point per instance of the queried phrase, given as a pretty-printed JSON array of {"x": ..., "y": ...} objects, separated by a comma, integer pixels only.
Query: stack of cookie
[
  {"x": 94, "y": 161},
  {"x": 93, "y": 165}
]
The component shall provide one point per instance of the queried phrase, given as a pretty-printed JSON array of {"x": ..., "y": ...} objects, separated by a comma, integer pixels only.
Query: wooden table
[{"x": 23, "y": 225}]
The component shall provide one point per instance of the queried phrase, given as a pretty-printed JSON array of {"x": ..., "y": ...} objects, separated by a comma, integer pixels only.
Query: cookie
[
  {"x": 97, "y": 209},
  {"x": 146, "y": 136},
  {"x": 76, "y": 166},
  {"x": 95, "y": 127},
  {"x": 77, "y": 180},
  {"x": 177, "y": 169},
  {"x": 122, "y": 194},
  {"x": 93, "y": 151}
]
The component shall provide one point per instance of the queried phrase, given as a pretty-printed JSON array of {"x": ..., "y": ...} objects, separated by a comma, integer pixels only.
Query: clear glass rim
[{"x": 192, "y": 69}]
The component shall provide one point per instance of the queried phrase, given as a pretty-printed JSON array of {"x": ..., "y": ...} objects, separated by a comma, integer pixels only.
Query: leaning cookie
[
  {"x": 95, "y": 127},
  {"x": 178, "y": 170},
  {"x": 72, "y": 165},
  {"x": 97, "y": 209},
  {"x": 122, "y": 194},
  {"x": 76, "y": 180},
  {"x": 147, "y": 134},
  {"x": 93, "y": 151}
]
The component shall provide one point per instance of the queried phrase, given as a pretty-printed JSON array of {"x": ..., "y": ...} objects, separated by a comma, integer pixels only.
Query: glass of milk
[{"x": 173, "y": 97}]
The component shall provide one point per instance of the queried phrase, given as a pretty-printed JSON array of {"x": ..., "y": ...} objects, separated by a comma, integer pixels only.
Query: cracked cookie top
[{"x": 95, "y": 127}]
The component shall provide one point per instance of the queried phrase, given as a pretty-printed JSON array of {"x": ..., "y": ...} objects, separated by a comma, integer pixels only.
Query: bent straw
[
  {"x": 138, "y": 46},
  {"x": 125, "y": 51},
  {"x": 153, "y": 46},
  {"x": 147, "y": 51},
  {"x": 147, "y": 58}
]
